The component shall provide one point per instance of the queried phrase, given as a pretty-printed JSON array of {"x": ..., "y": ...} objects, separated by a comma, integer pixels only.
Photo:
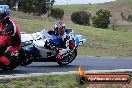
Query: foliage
[
  {"x": 129, "y": 19},
  {"x": 123, "y": 17},
  {"x": 57, "y": 13},
  {"x": 11, "y": 3},
  {"x": 101, "y": 20},
  {"x": 38, "y": 7},
  {"x": 49, "y": 81},
  {"x": 81, "y": 18}
]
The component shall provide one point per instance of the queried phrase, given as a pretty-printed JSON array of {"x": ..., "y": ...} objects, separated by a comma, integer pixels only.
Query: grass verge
[{"x": 56, "y": 81}]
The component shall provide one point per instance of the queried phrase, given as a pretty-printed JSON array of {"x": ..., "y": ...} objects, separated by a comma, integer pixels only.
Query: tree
[
  {"x": 49, "y": 7},
  {"x": 57, "y": 13},
  {"x": 101, "y": 20},
  {"x": 10, "y": 3},
  {"x": 129, "y": 19},
  {"x": 37, "y": 7},
  {"x": 80, "y": 17}
]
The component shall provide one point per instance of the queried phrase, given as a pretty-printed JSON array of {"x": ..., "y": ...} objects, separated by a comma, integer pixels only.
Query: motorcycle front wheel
[
  {"x": 68, "y": 59},
  {"x": 29, "y": 58}
]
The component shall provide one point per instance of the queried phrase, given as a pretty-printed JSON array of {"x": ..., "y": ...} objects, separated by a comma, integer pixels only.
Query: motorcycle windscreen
[
  {"x": 25, "y": 39},
  {"x": 56, "y": 40}
]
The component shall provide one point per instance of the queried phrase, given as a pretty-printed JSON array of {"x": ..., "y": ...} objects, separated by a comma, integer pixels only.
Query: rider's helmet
[
  {"x": 59, "y": 28},
  {"x": 4, "y": 12}
]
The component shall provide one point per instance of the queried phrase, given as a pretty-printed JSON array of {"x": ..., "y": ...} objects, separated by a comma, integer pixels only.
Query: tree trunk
[{"x": 9, "y": 3}]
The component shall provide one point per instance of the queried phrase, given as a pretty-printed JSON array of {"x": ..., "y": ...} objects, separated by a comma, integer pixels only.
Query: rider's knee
[{"x": 4, "y": 60}]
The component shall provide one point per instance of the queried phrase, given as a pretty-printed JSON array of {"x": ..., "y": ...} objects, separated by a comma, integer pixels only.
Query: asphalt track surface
[{"x": 88, "y": 63}]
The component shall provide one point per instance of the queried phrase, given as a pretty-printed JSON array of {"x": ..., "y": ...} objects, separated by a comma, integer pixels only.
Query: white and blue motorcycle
[{"x": 44, "y": 46}]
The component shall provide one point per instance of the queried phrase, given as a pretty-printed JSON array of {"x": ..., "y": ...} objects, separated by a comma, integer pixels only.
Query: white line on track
[{"x": 15, "y": 76}]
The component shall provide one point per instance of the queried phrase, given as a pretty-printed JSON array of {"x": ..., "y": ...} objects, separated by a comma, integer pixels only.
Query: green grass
[
  {"x": 100, "y": 42},
  {"x": 78, "y": 7},
  {"x": 52, "y": 81},
  {"x": 55, "y": 81},
  {"x": 124, "y": 28},
  {"x": 128, "y": 2},
  {"x": 106, "y": 43}
]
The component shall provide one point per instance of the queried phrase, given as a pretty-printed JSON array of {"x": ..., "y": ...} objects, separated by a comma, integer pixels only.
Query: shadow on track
[{"x": 39, "y": 69}]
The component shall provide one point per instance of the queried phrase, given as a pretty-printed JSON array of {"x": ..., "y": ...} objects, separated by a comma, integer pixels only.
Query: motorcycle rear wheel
[
  {"x": 68, "y": 59},
  {"x": 11, "y": 66}
]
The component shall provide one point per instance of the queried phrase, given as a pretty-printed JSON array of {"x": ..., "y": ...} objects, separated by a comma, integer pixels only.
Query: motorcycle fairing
[
  {"x": 33, "y": 50},
  {"x": 56, "y": 40},
  {"x": 79, "y": 39}
]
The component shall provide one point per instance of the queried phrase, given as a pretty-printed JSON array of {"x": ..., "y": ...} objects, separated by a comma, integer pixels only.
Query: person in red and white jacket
[{"x": 10, "y": 38}]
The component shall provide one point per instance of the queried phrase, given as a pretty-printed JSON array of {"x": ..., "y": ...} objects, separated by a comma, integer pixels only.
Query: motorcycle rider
[
  {"x": 68, "y": 43},
  {"x": 10, "y": 38}
]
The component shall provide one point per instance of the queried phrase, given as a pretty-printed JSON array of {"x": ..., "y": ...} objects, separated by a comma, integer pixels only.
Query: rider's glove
[{"x": 59, "y": 56}]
